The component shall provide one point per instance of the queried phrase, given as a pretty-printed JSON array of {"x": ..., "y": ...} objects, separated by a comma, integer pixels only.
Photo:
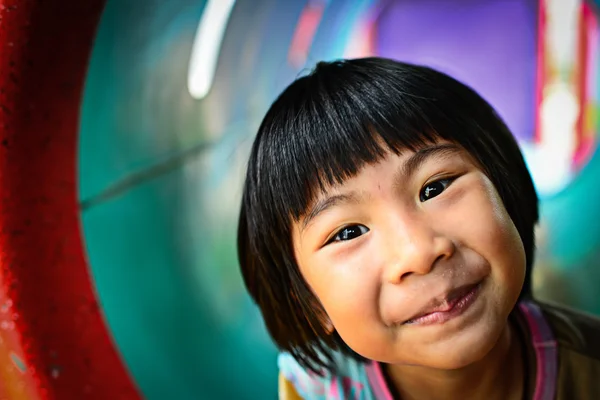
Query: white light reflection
[
  {"x": 207, "y": 45},
  {"x": 551, "y": 160}
]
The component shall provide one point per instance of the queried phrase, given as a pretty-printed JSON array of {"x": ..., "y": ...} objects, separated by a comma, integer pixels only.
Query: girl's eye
[
  {"x": 350, "y": 232},
  {"x": 434, "y": 189}
]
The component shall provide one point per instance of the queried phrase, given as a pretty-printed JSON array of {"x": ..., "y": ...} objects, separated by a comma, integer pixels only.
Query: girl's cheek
[{"x": 349, "y": 279}]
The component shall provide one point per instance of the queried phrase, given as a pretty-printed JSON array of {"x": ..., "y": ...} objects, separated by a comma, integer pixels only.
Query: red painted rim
[{"x": 53, "y": 340}]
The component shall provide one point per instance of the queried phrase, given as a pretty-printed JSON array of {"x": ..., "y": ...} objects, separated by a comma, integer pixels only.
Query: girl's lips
[{"x": 452, "y": 304}]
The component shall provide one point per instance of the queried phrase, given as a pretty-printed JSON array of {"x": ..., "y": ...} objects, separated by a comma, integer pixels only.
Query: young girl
[{"x": 386, "y": 233}]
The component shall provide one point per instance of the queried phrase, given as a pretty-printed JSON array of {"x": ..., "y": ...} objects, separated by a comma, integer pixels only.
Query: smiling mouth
[{"x": 455, "y": 304}]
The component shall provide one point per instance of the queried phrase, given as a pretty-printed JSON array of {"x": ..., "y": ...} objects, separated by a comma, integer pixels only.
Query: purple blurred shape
[{"x": 489, "y": 45}]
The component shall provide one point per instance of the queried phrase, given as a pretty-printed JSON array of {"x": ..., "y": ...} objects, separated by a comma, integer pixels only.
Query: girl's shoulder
[
  {"x": 351, "y": 381},
  {"x": 574, "y": 330},
  {"x": 567, "y": 347}
]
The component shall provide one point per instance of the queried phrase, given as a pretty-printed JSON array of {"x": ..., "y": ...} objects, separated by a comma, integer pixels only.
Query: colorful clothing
[{"x": 553, "y": 333}]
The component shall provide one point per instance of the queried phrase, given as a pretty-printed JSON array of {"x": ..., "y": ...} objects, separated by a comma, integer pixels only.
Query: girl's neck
[{"x": 490, "y": 378}]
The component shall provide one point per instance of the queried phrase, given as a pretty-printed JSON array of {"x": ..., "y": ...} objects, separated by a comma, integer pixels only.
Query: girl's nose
[{"x": 415, "y": 248}]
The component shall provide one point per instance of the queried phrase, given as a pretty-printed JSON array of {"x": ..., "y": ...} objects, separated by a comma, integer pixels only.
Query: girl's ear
[
  {"x": 322, "y": 316},
  {"x": 324, "y": 320},
  {"x": 320, "y": 313}
]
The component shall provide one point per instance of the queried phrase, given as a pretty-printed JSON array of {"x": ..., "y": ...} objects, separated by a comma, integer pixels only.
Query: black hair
[{"x": 320, "y": 131}]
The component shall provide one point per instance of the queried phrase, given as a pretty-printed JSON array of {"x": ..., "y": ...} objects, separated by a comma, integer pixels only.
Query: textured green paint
[{"x": 178, "y": 338}]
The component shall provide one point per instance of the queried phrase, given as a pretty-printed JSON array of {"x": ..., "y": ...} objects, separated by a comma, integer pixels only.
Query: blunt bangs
[{"x": 333, "y": 129}]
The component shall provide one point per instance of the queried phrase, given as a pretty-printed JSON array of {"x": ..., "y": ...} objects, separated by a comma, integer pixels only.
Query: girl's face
[{"x": 415, "y": 259}]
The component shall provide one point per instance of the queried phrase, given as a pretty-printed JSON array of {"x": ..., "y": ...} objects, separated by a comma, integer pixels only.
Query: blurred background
[{"x": 174, "y": 95}]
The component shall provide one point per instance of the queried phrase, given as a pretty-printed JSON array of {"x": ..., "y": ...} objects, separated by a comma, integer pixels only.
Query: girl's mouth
[{"x": 453, "y": 304}]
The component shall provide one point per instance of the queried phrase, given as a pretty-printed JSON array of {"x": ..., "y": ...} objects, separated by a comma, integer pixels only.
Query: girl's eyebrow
[
  {"x": 326, "y": 203},
  {"x": 417, "y": 159}
]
